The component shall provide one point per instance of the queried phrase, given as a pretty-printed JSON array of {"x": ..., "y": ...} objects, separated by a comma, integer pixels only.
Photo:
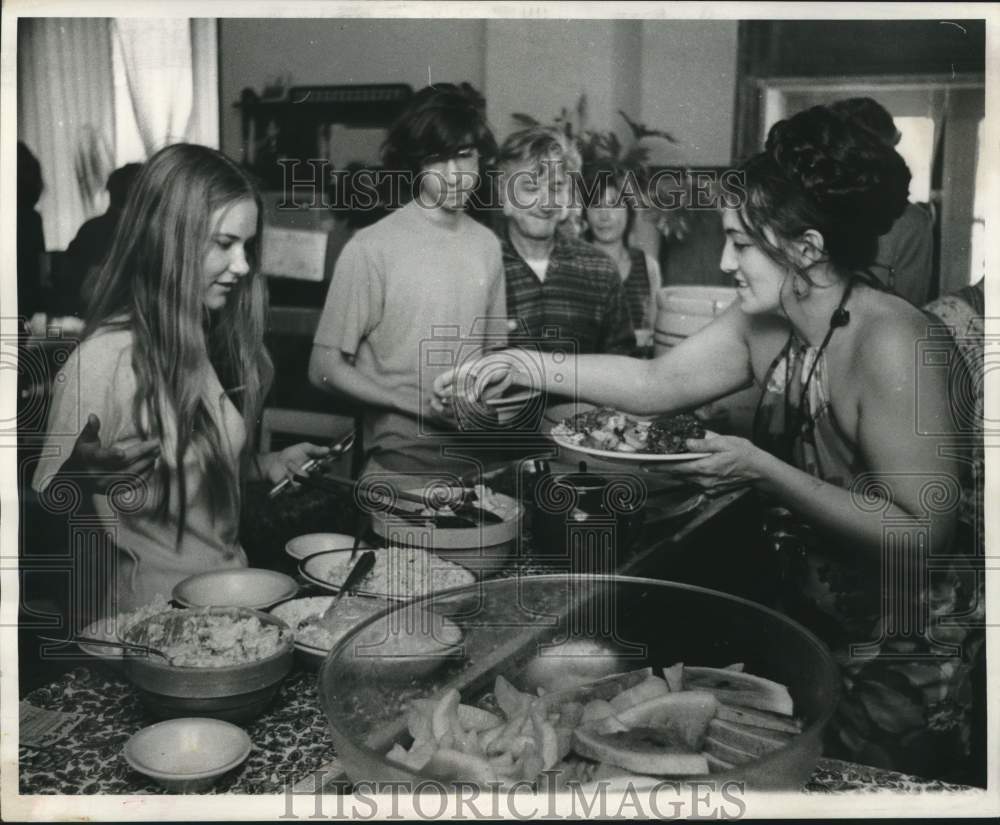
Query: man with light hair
[{"x": 558, "y": 287}]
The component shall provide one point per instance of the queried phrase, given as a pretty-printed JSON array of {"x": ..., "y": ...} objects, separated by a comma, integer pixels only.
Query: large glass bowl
[{"x": 511, "y": 625}]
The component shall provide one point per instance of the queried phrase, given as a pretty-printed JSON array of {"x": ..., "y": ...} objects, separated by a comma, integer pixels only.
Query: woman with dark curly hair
[{"x": 851, "y": 433}]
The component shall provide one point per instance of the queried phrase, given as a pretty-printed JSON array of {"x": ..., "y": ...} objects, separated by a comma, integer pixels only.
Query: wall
[
  {"x": 687, "y": 87},
  {"x": 252, "y": 52},
  {"x": 675, "y": 75},
  {"x": 538, "y": 67}
]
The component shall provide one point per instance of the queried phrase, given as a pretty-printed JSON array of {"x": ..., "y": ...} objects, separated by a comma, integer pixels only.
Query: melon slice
[
  {"x": 727, "y": 753},
  {"x": 477, "y": 719},
  {"x": 606, "y": 688},
  {"x": 674, "y": 677},
  {"x": 759, "y": 718},
  {"x": 684, "y": 716},
  {"x": 716, "y": 765},
  {"x": 446, "y": 707},
  {"x": 751, "y": 740},
  {"x": 641, "y": 750},
  {"x": 735, "y": 688},
  {"x": 448, "y": 764},
  {"x": 647, "y": 689}
]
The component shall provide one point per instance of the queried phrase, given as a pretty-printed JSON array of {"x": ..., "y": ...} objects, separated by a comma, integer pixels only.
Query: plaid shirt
[{"x": 581, "y": 299}]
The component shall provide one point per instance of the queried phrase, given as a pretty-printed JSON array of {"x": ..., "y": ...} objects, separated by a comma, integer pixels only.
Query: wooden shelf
[{"x": 293, "y": 127}]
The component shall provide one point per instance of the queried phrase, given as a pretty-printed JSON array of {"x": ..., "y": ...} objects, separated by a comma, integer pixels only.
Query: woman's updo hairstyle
[{"x": 821, "y": 170}]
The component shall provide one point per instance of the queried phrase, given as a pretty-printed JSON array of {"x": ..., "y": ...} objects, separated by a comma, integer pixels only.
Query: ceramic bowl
[
  {"x": 187, "y": 755},
  {"x": 250, "y": 587}
]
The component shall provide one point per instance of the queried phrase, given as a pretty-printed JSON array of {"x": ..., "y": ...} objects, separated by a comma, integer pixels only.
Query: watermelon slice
[
  {"x": 716, "y": 765},
  {"x": 759, "y": 718},
  {"x": 648, "y": 689},
  {"x": 607, "y": 688},
  {"x": 734, "y": 688},
  {"x": 727, "y": 753},
  {"x": 642, "y": 750},
  {"x": 674, "y": 677},
  {"x": 685, "y": 716},
  {"x": 447, "y": 764},
  {"x": 750, "y": 740}
]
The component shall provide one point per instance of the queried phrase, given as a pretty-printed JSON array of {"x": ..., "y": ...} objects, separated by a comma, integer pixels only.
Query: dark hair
[
  {"x": 119, "y": 183},
  {"x": 823, "y": 172},
  {"x": 598, "y": 175},
  {"x": 437, "y": 122},
  {"x": 29, "y": 178},
  {"x": 870, "y": 114}
]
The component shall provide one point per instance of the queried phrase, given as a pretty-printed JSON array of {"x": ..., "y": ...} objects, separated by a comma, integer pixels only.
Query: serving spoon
[
  {"x": 127, "y": 646},
  {"x": 362, "y": 567}
]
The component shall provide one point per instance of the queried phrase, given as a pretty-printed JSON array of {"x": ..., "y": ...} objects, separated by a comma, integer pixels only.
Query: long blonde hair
[{"x": 153, "y": 284}]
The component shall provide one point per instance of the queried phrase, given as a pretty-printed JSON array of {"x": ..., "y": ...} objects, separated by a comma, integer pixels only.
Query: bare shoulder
[{"x": 891, "y": 334}]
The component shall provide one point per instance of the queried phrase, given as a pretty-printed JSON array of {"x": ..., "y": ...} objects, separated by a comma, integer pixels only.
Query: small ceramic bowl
[
  {"x": 187, "y": 755},
  {"x": 302, "y": 546},
  {"x": 249, "y": 587}
]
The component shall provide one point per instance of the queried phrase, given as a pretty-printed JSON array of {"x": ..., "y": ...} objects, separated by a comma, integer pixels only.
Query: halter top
[{"x": 799, "y": 427}]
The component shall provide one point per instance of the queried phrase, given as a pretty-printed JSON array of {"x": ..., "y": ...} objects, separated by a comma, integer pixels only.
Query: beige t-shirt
[
  {"x": 98, "y": 378},
  {"x": 409, "y": 299}
]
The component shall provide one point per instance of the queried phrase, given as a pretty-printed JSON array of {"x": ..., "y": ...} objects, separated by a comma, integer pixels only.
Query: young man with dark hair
[{"x": 426, "y": 277}]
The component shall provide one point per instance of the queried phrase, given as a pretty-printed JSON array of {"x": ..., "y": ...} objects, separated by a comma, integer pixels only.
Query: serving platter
[
  {"x": 628, "y": 458},
  {"x": 558, "y": 413}
]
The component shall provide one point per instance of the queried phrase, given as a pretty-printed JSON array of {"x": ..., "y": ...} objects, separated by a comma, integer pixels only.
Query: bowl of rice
[
  {"x": 400, "y": 573},
  {"x": 224, "y": 662},
  {"x": 410, "y": 644}
]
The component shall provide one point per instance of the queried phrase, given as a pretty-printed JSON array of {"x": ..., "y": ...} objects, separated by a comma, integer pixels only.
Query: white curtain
[
  {"x": 65, "y": 112},
  {"x": 96, "y": 93},
  {"x": 156, "y": 57}
]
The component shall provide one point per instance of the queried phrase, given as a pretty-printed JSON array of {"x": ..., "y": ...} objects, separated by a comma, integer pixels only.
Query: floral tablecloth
[{"x": 290, "y": 741}]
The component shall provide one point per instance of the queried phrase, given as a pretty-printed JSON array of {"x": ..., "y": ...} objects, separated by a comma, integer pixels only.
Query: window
[
  {"x": 916, "y": 145},
  {"x": 938, "y": 119},
  {"x": 977, "y": 253}
]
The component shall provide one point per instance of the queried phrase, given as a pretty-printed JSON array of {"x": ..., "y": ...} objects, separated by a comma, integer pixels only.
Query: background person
[
  {"x": 32, "y": 294},
  {"x": 90, "y": 247},
  {"x": 908, "y": 247},
  {"x": 609, "y": 220},
  {"x": 558, "y": 287}
]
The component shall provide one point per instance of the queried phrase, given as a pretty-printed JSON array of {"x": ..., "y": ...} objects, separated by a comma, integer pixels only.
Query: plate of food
[
  {"x": 607, "y": 433},
  {"x": 400, "y": 573}
]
